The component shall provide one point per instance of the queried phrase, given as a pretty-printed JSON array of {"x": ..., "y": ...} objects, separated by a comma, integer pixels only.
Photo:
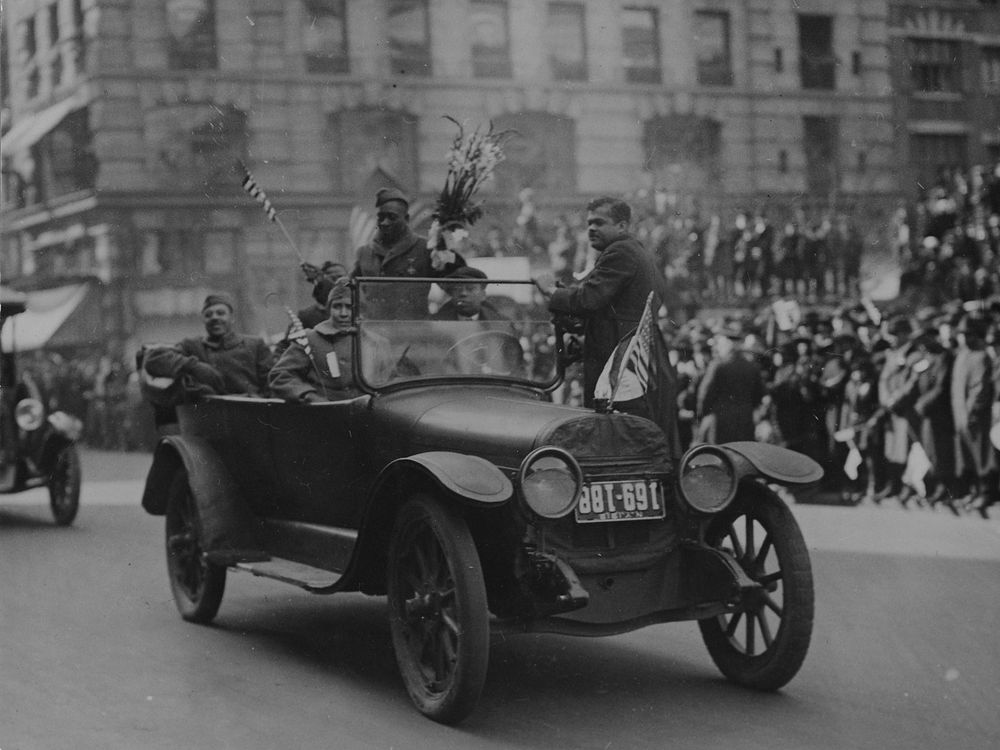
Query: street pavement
[{"x": 93, "y": 656}]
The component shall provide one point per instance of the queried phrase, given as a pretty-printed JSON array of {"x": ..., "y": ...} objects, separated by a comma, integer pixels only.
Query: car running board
[{"x": 292, "y": 572}]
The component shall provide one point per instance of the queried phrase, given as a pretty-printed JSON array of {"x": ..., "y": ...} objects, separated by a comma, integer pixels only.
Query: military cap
[
  {"x": 384, "y": 195},
  {"x": 219, "y": 298}
]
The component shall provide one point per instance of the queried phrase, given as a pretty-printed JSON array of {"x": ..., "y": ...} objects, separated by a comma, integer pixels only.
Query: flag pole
[{"x": 254, "y": 191}]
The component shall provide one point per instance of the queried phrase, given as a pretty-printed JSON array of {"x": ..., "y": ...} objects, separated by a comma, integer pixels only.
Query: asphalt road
[{"x": 905, "y": 653}]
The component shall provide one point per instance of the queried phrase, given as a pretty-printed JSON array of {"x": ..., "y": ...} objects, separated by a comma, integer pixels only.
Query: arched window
[
  {"x": 683, "y": 154},
  {"x": 541, "y": 155},
  {"x": 365, "y": 140}
]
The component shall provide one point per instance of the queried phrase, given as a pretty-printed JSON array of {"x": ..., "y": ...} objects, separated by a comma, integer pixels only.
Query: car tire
[
  {"x": 64, "y": 486},
  {"x": 437, "y": 610},
  {"x": 197, "y": 585},
  {"x": 762, "y": 646}
]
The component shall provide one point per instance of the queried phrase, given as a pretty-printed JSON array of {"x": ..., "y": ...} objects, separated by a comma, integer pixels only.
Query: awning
[
  {"x": 27, "y": 130},
  {"x": 63, "y": 316}
]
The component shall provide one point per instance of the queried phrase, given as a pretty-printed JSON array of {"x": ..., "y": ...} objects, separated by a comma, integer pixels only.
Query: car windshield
[{"x": 422, "y": 329}]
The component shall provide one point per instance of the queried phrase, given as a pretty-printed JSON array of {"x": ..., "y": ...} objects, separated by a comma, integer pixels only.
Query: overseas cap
[
  {"x": 384, "y": 195},
  {"x": 219, "y": 298}
]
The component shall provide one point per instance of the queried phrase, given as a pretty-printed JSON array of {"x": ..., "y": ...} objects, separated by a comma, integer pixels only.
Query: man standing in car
[
  {"x": 397, "y": 251},
  {"x": 612, "y": 296}
]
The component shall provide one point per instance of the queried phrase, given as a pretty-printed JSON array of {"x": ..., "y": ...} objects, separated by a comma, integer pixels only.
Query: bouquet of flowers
[{"x": 472, "y": 160}]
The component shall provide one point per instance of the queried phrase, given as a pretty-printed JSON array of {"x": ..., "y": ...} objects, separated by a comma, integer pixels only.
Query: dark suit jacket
[
  {"x": 408, "y": 257},
  {"x": 610, "y": 299},
  {"x": 731, "y": 389}
]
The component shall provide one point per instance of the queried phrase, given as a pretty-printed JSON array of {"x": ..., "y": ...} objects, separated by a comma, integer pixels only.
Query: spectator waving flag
[
  {"x": 639, "y": 370},
  {"x": 254, "y": 191}
]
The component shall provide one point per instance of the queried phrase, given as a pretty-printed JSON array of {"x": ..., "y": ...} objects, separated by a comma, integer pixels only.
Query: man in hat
[
  {"x": 466, "y": 290},
  {"x": 221, "y": 361},
  {"x": 612, "y": 296},
  {"x": 397, "y": 251},
  {"x": 730, "y": 392},
  {"x": 318, "y": 365},
  {"x": 971, "y": 405}
]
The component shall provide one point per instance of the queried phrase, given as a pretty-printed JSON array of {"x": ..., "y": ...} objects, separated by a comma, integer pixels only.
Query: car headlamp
[
  {"x": 550, "y": 482},
  {"x": 29, "y": 414},
  {"x": 707, "y": 479}
]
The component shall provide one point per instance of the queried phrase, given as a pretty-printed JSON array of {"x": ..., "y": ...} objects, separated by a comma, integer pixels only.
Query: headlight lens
[
  {"x": 29, "y": 414},
  {"x": 708, "y": 479},
  {"x": 550, "y": 482}
]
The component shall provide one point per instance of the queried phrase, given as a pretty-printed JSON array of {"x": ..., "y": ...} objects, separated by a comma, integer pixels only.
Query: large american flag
[{"x": 626, "y": 374}]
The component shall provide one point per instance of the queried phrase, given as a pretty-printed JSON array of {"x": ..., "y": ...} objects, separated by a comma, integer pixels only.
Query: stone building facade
[{"x": 125, "y": 120}]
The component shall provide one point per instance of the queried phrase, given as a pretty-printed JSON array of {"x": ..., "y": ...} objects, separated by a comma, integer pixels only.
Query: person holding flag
[{"x": 612, "y": 297}]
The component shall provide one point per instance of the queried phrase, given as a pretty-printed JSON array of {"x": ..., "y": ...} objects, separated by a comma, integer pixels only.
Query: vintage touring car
[
  {"x": 456, "y": 487},
  {"x": 37, "y": 449}
]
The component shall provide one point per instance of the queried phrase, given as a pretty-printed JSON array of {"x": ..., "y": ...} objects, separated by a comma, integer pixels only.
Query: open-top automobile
[{"x": 457, "y": 487}]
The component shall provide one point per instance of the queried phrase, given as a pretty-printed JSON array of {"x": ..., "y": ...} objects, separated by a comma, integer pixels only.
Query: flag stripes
[
  {"x": 636, "y": 361},
  {"x": 254, "y": 191}
]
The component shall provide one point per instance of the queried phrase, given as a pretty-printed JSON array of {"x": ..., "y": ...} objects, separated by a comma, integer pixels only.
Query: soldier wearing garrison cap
[
  {"x": 221, "y": 361},
  {"x": 397, "y": 251}
]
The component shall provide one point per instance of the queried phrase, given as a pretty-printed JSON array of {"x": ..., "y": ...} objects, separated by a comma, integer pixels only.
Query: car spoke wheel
[
  {"x": 762, "y": 645},
  {"x": 197, "y": 585},
  {"x": 64, "y": 486},
  {"x": 437, "y": 610}
]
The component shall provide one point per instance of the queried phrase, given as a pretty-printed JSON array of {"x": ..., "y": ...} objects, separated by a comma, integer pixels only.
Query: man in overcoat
[
  {"x": 398, "y": 251},
  {"x": 611, "y": 298},
  {"x": 971, "y": 405},
  {"x": 730, "y": 392}
]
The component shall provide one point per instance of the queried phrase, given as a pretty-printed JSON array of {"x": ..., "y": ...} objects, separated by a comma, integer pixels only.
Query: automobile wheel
[
  {"x": 197, "y": 585},
  {"x": 64, "y": 486},
  {"x": 763, "y": 644},
  {"x": 437, "y": 610}
]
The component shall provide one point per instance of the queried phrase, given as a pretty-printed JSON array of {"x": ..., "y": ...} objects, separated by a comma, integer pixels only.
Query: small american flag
[
  {"x": 297, "y": 332},
  {"x": 626, "y": 374},
  {"x": 250, "y": 186}
]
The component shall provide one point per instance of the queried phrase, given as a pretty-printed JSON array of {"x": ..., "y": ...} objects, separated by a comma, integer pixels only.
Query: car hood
[{"x": 503, "y": 425}]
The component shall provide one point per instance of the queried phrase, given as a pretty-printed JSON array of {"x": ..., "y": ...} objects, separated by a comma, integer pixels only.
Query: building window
[
  {"x": 324, "y": 36},
  {"x": 192, "y": 44},
  {"x": 862, "y": 162},
  {"x": 490, "y": 39},
  {"x": 369, "y": 141},
  {"x": 641, "y": 45},
  {"x": 4, "y": 68},
  {"x": 29, "y": 45},
  {"x": 817, "y": 65},
  {"x": 783, "y": 161},
  {"x": 57, "y": 69},
  {"x": 567, "y": 42},
  {"x": 53, "y": 24},
  {"x": 989, "y": 69},
  {"x": 779, "y": 60},
  {"x": 220, "y": 251},
  {"x": 821, "y": 138},
  {"x": 542, "y": 155},
  {"x": 79, "y": 44},
  {"x": 935, "y": 65},
  {"x": 711, "y": 36},
  {"x": 410, "y": 37},
  {"x": 935, "y": 154}
]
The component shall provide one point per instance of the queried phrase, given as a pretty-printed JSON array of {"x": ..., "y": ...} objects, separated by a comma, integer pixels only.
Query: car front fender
[
  {"x": 470, "y": 478},
  {"x": 774, "y": 462}
]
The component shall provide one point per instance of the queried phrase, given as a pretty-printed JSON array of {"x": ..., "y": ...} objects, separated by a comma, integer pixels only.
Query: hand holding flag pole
[{"x": 254, "y": 191}]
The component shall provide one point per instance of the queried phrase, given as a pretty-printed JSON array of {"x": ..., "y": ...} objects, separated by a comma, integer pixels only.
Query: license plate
[{"x": 620, "y": 501}]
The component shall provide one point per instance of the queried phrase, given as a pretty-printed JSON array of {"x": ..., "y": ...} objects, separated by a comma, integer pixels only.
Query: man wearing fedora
[
  {"x": 221, "y": 361},
  {"x": 398, "y": 252}
]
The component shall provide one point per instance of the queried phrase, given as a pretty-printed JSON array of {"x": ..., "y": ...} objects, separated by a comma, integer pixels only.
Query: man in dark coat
[
  {"x": 730, "y": 392},
  {"x": 971, "y": 405},
  {"x": 466, "y": 290},
  {"x": 612, "y": 296},
  {"x": 397, "y": 251}
]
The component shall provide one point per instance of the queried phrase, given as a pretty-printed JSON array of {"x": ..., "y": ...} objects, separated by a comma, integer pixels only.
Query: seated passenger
[
  {"x": 318, "y": 365},
  {"x": 466, "y": 289},
  {"x": 220, "y": 362}
]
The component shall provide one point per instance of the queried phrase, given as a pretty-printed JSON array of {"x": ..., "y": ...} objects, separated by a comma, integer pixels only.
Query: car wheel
[
  {"x": 763, "y": 644},
  {"x": 197, "y": 585},
  {"x": 437, "y": 610},
  {"x": 64, "y": 486}
]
